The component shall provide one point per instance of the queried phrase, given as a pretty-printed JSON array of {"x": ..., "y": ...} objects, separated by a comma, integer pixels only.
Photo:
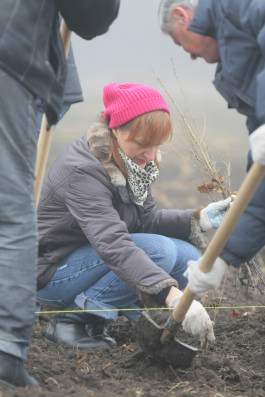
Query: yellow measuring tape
[{"x": 142, "y": 309}]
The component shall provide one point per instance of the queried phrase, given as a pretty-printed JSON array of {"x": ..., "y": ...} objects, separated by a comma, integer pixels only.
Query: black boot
[
  {"x": 13, "y": 373},
  {"x": 70, "y": 329},
  {"x": 97, "y": 327}
]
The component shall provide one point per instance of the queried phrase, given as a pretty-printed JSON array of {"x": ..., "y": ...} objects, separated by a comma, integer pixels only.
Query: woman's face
[{"x": 136, "y": 150}]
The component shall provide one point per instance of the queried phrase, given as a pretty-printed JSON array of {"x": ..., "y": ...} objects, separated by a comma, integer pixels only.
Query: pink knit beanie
[{"x": 124, "y": 102}]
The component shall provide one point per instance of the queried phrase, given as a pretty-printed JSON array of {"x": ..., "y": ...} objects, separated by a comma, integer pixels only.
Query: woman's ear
[{"x": 181, "y": 15}]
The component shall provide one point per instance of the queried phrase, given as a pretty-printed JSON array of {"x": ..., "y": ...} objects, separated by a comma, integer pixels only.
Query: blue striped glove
[{"x": 212, "y": 215}]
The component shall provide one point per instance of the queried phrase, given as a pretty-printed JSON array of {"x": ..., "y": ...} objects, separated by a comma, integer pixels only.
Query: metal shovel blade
[{"x": 175, "y": 353}]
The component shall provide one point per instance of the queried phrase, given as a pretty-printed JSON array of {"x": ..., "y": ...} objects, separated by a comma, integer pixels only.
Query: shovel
[
  {"x": 161, "y": 341},
  {"x": 44, "y": 142}
]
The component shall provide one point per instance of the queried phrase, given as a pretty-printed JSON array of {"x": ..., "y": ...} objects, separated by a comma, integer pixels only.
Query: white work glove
[
  {"x": 257, "y": 144},
  {"x": 212, "y": 215},
  {"x": 197, "y": 321},
  {"x": 200, "y": 282}
]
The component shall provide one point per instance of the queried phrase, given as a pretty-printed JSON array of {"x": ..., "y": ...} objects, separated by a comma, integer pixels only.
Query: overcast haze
[{"x": 133, "y": 47}]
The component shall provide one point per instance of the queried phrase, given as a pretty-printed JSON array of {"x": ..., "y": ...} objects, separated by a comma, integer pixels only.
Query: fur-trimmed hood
[{"x": 99, "y": 141}]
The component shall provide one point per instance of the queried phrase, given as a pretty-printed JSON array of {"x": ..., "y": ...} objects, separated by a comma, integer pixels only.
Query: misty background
[{"x": 135, "y": 50}]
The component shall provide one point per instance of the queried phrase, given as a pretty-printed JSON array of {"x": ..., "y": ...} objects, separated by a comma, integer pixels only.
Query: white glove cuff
[{"x": 257, "y": 143}]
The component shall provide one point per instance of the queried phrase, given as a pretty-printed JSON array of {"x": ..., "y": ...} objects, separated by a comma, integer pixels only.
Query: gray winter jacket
[
  {"x": 30, "y": 44},
  {"x": 239, "y": 28},
  {"x": 85, "y": 199}
]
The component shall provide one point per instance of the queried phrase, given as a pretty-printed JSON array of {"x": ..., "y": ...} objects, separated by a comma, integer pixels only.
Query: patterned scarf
[{"x": 139, "y": 179}]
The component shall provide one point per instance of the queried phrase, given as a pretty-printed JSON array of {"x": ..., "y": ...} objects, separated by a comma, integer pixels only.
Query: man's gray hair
[{"x": 165, "y": 17}]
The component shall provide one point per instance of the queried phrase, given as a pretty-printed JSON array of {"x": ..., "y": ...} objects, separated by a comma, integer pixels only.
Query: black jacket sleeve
[{"x": 89, "y": 18}]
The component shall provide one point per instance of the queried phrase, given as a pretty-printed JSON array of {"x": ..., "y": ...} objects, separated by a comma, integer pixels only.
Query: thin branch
[{"x": 210, "y": 173}]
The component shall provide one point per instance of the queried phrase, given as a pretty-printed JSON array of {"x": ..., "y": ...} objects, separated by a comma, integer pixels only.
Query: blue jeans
[
  {"x": 18, "y": 238},
  {"x": 84, "y": 278}
]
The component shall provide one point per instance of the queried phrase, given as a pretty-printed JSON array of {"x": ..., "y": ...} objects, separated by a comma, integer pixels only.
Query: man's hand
[
  {"x": 200, "y": 282},
  {"x": 257, "y": 144},
  {"x": 197, "y": 321},
  {"x": 212, "y": 215}
]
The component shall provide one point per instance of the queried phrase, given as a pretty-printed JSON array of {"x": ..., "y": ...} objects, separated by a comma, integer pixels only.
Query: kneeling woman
[{"x": 103, "y": 245}]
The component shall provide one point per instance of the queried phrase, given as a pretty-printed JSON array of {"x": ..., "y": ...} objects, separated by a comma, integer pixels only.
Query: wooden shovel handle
[
  {"x": 246, "y": 191},
  {"x": 44, "y": 142}
]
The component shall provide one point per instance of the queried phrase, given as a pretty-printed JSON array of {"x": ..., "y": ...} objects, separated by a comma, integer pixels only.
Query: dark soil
[{"x": 233, "y": 366}]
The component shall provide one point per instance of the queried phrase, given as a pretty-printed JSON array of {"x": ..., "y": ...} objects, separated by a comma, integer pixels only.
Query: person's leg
[
  {"x": 18, "y": 245},
  {"x": 111, "y": 292},
  {"x": 84, "y": 278},
  {"x": 74, "y": 327}
]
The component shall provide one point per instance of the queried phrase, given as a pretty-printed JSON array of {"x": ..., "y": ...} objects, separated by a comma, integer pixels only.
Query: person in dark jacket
[
  {"x": 104, "y": 246},
  {"x": 72, "y": 90},
  {"x": 231, "y": 34},
  {"x": 32, "y": 70}
]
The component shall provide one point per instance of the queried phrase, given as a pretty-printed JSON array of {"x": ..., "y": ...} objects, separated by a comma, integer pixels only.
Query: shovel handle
[
  {"x": 246, "y": 191},
  {"x": 44, "y": 142}
]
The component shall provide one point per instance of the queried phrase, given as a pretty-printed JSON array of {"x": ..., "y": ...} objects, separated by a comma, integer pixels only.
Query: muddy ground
[{"x": 233, "y": 366}]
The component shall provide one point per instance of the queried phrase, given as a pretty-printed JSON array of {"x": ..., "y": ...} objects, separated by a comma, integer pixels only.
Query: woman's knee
[{"x": 159, "y": 248}]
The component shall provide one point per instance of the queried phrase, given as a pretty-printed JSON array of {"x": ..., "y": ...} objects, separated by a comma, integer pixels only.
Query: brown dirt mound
[{"x": 234, "y": 366}]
